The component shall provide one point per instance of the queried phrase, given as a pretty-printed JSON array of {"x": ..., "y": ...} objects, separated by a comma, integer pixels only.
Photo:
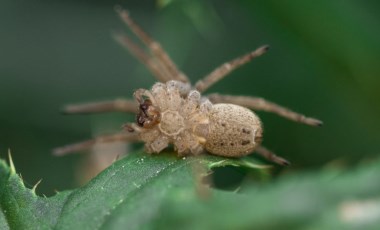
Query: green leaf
[
  {"x": 161, "y": 192},
  {"x": 21, "y": 208},
  {"x": 131, "y": 190}
]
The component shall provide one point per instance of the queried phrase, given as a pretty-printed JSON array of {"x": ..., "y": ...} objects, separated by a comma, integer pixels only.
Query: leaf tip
[{"x": 11, "y": 165}]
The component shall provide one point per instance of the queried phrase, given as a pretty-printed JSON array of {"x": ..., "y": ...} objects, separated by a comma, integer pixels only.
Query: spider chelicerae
[{"x": 175, "y": 112}]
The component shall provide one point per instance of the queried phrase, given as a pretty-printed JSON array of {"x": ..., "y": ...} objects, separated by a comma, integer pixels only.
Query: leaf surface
[{"x": 161, "y": 192}]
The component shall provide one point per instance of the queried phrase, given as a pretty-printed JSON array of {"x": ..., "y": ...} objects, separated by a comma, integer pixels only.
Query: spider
[{"x": 174, "y": 112}]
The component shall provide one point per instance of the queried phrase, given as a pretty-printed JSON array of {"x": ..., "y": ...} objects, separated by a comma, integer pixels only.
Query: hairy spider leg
[
  {"x": 118, "y": 105},
  {"x": 141, "y": 93},
  {"x": 84, "y": 145},
  {"x": 155, "y": 68},
  {"x": 226, "y": 68},
  {"x": 157, "y": 51},
  {"x": 269, "y": 155},
  {"x": 257, "y": 103}
]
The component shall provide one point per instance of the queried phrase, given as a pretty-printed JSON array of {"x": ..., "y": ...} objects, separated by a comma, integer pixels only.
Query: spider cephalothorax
[
  {"x": 166, "y": 117},
  {"x": 174, "y": 112}
]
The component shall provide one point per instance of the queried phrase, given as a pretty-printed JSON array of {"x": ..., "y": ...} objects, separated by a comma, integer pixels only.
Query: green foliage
[
  {"x": 322, "y": 63},
  {"x": 160, "y": 192},
  {"x": 130, "y": 192}
]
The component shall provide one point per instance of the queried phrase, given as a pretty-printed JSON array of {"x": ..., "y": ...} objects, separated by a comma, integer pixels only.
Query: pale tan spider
[{"x": 174, "y": 112}]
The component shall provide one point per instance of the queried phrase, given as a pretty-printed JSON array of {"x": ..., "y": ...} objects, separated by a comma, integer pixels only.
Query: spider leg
[
  {"x": 269, "y": 155},
  {"x": 156, "y": 69},
  {"x": 141, "y": 93},
  {"x": 257, "y": 103},
  {"x": 118, "y": 105},
  {"x": 158, "y": 52},
  {"x": 77, "y": 147},
  {"x": 227, "y": 68},
  {"x": 132, "y": 128}
]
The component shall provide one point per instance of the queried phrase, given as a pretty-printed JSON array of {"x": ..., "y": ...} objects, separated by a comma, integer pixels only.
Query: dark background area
[{"x": 323, "y": 62}]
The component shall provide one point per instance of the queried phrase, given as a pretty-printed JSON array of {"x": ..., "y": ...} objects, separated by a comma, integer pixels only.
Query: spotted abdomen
[{"x": 234, "y": 131}]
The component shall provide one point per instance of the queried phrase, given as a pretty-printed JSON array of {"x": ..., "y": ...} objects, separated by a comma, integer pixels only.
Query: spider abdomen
[{"x": 234, "y": 131}]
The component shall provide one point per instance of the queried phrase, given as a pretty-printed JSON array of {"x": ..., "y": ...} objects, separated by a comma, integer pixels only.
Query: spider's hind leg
[
  {"x": 223, "y": 70},
  {"x": 257, "y": 103},
  {"x": 269, "y": 155}
]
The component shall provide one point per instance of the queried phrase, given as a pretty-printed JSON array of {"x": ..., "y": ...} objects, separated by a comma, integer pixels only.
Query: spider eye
[
  {"x": 144, "y": 107},
  {"x": 140, "y": 119}
]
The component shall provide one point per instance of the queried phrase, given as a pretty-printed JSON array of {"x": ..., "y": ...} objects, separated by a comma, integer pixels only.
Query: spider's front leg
[
  {"x": 118, "y": 105},
  {"x": 256, "y": 103},
  {"x": 85, "y": 145},
  {"x": 161, "y": 58},
  {"x": 160, "y": 73}
]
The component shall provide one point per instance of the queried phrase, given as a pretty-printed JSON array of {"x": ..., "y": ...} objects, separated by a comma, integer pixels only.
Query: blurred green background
[{"x": 324, "y": 62}]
